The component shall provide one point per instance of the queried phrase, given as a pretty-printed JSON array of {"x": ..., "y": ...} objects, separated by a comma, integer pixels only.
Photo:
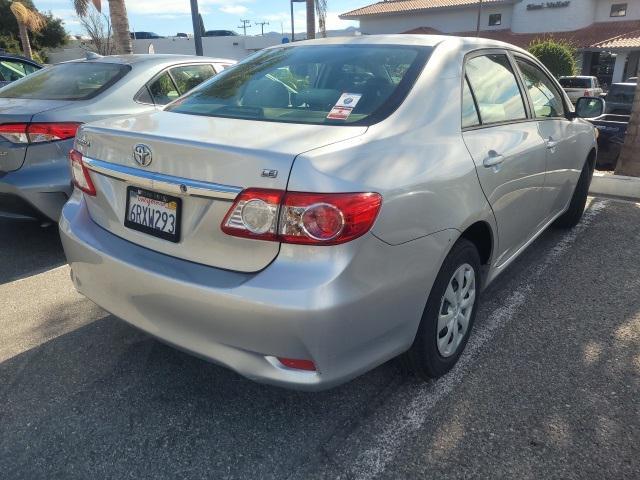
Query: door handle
[
  {"x": 493, "y": 159},
  {"x": 551, "y": 143}
]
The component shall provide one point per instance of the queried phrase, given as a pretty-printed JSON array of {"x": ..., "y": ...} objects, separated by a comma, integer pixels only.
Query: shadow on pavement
[{"x": 27, "y": 249}]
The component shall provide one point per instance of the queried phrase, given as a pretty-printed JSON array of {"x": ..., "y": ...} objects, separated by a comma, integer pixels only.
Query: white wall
[
  {"x": 603, "y": 10},
  {"x": 579, "y": 14},
  {"x": 235, "y": 48},
  {"x": 447, "y": 21}
]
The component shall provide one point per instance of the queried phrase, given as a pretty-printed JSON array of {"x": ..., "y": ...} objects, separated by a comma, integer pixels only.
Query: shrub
[{"x": 557, "y": 55}]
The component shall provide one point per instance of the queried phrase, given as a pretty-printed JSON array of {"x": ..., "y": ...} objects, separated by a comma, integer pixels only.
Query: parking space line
[{"x": 407, "y": 411}]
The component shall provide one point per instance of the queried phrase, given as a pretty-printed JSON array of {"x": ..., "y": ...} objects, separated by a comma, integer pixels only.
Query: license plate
[{"x": 153, "y": 213}]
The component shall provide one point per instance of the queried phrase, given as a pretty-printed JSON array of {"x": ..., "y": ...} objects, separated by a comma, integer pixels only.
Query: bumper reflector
[{"x": 297, "y": 364}]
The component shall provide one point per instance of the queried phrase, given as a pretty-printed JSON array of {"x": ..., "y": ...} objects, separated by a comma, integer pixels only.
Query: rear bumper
[
  {"x": 35, "y": 192},
  {"x": 348, "y": 308}
]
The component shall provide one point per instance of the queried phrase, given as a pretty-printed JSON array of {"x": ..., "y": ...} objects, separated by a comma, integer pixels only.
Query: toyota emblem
[{"x": 142, "y": 155}]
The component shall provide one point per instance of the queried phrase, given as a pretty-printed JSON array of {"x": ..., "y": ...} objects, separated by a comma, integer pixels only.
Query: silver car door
[
  {"x": 507, "y": 149},
  {"x": 556, "y": 130}
]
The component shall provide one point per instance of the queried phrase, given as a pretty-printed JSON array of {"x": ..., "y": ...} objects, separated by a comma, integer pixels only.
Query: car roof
[
  {"x": 464, "y": 43},
  {"x": 18, "y": 57},
  {"x": 135, "y": 59},
  {"x": 626, "y": 84}
]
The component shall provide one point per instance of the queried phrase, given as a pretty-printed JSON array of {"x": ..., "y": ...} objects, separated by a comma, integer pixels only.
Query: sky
[{"x": 168, "y": 17}]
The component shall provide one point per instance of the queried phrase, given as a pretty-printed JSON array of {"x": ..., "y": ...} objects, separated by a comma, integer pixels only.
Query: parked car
[
  {"x": 620, "y": 98},
  {"x": 15, "y": 67},
  {"x": 611, "y": 130},
  {"x": 39, "y": 116},
  {"x": 632, "y": 80},
  {"x": 144, "y": 35},
  {"x": 581, "y": 86},
  {"x": 220, "y": 33},
  {"x": 182, "y": 35},
  {"x": 300, "y": 219}
]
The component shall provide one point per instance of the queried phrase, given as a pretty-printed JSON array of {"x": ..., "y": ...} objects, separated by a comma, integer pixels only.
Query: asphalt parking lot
[{"x": 549, "y": 386}]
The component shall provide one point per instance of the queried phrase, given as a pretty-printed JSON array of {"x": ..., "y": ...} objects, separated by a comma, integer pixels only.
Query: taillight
[
  {"x": 587, "y": 93},
  {"x": 38, "y": 132},
  {"x": 298, "y": 364},
  {"x": 80, "y": 173},
  {"x": 302, "y": 218}
]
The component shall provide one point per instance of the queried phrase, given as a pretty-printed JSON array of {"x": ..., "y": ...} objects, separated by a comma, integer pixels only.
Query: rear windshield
[
  {"x": 67, "y": 81},
  {"x": 621, "y": 93},
  {"x": 334, "y": 84},
  {"x": 575, "y": 82}
]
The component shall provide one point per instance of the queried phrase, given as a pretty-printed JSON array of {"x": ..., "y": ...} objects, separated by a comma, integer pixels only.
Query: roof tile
[{"x": 401, "y": 6}]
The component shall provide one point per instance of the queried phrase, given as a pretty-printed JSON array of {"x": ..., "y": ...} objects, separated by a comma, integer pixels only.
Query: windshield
[
  {"x": 575, "y": 82},
  {"x": 621, "y": 93},
  {"x": 66, "y": 81},
  {"x": 334, "y": 84}
]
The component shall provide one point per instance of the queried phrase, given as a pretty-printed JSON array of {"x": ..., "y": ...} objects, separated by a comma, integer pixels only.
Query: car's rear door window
[
  {"x": 187, "y": 77},
  {"x": 546, "y": 100},
  {"x": 329, "y": 84},
  {"x": 495, "y": 88},
  {"x": 67, "y": 81}
]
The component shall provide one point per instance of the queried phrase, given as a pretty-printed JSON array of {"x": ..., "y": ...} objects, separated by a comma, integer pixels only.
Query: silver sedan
[
  {"x": 39, "y": 116},
  {"x": 325, "y": 206}
]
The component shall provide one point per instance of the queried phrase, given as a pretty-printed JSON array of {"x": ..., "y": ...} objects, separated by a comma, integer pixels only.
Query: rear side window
[
  {"x": 188, "y": 77},
  {"x": 163, "y": 90},
  {"x": 495, "y": 88},
  {"x": 67, "y": 81},
  {"x": 470, "y": 116},
  {"x": 12, "y": 70},
  {"x": 546, "y": 99}
]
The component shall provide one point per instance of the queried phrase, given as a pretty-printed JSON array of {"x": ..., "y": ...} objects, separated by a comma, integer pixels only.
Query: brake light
[
  {"x": 38, "y": 132},
  {"x": 587, "y": 93},
  {"x": 298, "y": 364},
  {"x": 302, "y": 218},
  {"x": 80, "y": 173}
]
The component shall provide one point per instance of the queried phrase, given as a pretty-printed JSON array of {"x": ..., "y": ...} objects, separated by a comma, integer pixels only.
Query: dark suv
[
  {"x": 220, "y": 33},
  {"x": 620, "y": 98}
]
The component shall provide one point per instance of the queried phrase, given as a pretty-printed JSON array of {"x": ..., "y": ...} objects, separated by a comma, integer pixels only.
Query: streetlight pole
[
  {"x": 479, "y": 15},
  {"x": 197, "y": 33}
]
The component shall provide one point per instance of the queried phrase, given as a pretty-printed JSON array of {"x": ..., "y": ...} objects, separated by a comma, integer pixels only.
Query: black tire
[
  {"x": 423, "y": 357},
  {"x": 572, "y": 216}
]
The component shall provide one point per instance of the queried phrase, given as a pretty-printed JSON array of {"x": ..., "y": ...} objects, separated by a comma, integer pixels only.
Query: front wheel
[
  {"x": 572, "y": 216},
  {"x": 449, "y": 314}
]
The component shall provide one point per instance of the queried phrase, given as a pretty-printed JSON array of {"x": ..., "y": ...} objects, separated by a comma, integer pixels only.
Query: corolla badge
[{"x": 142, "y": 155}]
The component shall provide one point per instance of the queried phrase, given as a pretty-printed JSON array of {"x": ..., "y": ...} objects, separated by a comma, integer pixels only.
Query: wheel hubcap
[{"x": 455, "y": 310}]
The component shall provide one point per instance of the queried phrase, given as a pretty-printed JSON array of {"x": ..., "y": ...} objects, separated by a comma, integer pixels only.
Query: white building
[{"x": 605, "y": 32}]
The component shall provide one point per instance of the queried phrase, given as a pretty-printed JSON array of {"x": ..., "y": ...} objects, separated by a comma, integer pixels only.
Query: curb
[{"x": 615, "y": 186}]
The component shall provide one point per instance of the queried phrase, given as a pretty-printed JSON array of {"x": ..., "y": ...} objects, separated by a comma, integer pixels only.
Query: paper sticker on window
[
  {"x": 339, "y": 113},
  {"x": 349, "y": 100},
  {"x": 344, "y": 106}
]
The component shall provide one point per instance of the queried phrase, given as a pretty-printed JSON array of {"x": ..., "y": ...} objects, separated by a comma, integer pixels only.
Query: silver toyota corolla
[
  {"x": 325, "y": 206},
  {"x": 39, "y": 116}
]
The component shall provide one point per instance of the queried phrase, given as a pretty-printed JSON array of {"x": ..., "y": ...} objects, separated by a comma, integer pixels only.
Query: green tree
[
  {"x": 557, "y": 55},
  {"x": 28, "y": 21}
]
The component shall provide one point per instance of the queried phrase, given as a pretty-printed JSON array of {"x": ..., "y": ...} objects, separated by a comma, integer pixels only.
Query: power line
[
  {"x": 245, "y": 24},
  {"x": 262, "y": 24}
]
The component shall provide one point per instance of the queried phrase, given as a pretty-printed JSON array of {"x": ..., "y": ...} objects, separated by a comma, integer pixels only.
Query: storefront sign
[{"x": 541, "y": 5}]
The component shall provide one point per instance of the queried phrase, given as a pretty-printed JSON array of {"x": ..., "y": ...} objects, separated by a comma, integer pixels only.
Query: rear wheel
[
  {"x": 572, "y": 216},
  {"x": 449, "y": 315}
]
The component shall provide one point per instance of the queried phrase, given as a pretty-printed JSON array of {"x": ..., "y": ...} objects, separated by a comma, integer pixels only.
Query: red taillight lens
[
  {"x": 587, "y": 93},
  {"x": 80, "y": 173},
  {"x": 297, "y": 364},
  {"x": 38, "y": 132},
  {"x": 302, "y": 218}
]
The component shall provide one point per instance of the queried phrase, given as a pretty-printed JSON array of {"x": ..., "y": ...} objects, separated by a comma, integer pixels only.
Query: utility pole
[
  {"x": 479, "y": 15},
  {"x": 262, "y": 24},
  {"x": 245, "y": 24},
  {"x": 197, "y": 27}
]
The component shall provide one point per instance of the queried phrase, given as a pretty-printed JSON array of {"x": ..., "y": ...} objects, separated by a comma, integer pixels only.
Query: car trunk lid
[
  {"x": 204, "y": 162},
  {"x": 19, "y": 110}
]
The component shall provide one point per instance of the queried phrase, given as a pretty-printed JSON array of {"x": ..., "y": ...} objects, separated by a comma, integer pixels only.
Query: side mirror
[{"x": 589, "y": 107}]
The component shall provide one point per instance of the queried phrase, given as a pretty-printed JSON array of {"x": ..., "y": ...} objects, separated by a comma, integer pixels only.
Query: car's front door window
[{"x": 546, "y": 99}]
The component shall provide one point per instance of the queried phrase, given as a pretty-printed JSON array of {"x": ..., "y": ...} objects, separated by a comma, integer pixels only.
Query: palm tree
[
  {"x": 119, "y": 20},
  {"x": 28, "y": 20},
  {"x": 629, "y": 161},
  {"x": 319, "y": 8}
]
